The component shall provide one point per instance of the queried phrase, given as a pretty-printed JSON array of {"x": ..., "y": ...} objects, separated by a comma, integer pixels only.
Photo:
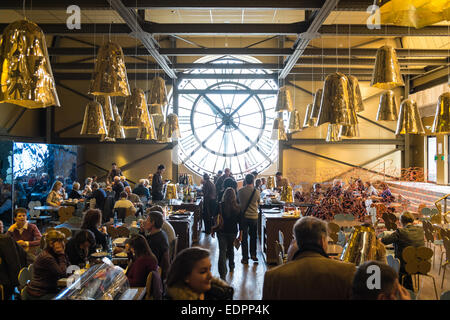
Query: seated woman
[
  {"x": 79, "y": 248},
  {"x": 75, "y": 193},
  {"x": 92, "y": 221},
  {"x": 49, "y": 267},
  {"x": 56, "y": 196},
  {"x": 24, "y": 233},
  {"x": 370, "y": 190},
  {"x": 142, "y": 259},
  {"x": 190, "y": 278},
  {"x": 386, "y": 195},
  {"x": 123, "y": 202}
]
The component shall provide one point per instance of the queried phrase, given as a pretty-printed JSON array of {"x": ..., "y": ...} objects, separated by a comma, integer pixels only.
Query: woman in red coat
[{"x": 143, "y": 261}]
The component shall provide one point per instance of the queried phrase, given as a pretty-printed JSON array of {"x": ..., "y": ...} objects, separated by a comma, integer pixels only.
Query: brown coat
[{"x": 309, "y": 277}]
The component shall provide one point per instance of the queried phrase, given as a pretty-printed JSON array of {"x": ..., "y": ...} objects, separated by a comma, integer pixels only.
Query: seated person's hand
[{"x": 22, "y": 243}]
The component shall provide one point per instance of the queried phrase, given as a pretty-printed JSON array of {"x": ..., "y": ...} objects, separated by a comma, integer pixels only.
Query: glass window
[{"x": 431, "y": 160}]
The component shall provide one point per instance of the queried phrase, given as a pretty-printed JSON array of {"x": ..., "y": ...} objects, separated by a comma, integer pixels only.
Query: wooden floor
[{"x": 247, "y": 280}]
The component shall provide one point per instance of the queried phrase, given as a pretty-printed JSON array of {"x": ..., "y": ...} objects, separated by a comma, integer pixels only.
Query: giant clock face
[{"x": 226, "y": 124}]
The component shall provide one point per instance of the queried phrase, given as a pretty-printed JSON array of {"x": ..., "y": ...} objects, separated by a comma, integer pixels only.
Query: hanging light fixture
[
  {"x": 386, "y": 73},
  {"x": 110, "y": 74},
  {"x": 157, "y": 92},
  {"x": 333, "y": 133},
  {"x": 284, "y": 100},
  {"x": 94, "y": 122},
  {"x": 316, "y": 106},
  {"x": 162, "y": 136},
  {"x": 278, "y": 131},
  {"x": 294, "y": 122},
  {"x": 115, "y": 129},
  {"x": 173, "y": 129},
  {"x": 105, "y": 101},
  {"x": 26, "y": 77},
  {"x": 355, "y": 94},
  {"x": 134, "y": 109},
  {"x": 308, "y": 122},
  {"x": 409, "y": 120},
  {"x": 145, "y": 133},
  {"x": 335, "y": 104},
  {"x": 441, "y": 122},
  {"x": 387, "y": 109}
]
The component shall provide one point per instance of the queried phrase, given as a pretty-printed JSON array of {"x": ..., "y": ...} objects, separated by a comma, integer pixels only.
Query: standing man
[
  {"x": 209, "y": 206},
  {"x": 249, "y": 200},
  {"x": 217, "y": 176},
  {"x": 157, "y": 184},
  {"x": 219, "y": 182},
  {"x": 115, "y": 171},
  {"x": 100, "y": 197}
]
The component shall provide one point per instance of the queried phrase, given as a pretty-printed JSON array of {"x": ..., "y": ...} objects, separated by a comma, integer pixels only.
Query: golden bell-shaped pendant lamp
[
  {"x": 278, "y": 131},
  {"x": 409, "y": 120},
  {"x": 387, "y": 109},
  {"x": 134, "y": 110},
  {"x": 441, "y": 122},
  {"x": 94, "y": 122},
  {"x": 294, "y": 122},
  {"x": 110, "y": 74},
  {"x": 349, "y": 131},
  {"x": 26, "y": 77},
  {"x": 155, "y": 109},
  {"x": 315, "y": 109},
  {"x": 284, "y": 100},
  {"x": 146, "y": 134},
  {"x": 355, "y": 94},
  {"x": 162, "y": 133},
  {"x": 333, "y": 133},
  {"x": 308, "y": 122},
  {"x": 105, "y": 101},
  {"x": 335, "y": 105},
  {"x": 173, "y": 129},
  {"x": 157, "y": 92},
  {"x": 115, "y": 129},
  {"x": 386, "y": 73}
]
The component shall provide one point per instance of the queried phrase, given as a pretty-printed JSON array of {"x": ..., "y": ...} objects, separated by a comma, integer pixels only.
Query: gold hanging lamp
[
  {"x": 315, "y": 109},
  {"x": 284, "y": 100},
  {"x": 173, "y": 129},
  {"x": 105, "y": 101},
  {"x": 94, "y": 122},
  {"x": 115, "y": 129},
  {"x": 134, "y": 109},
  {"x": 26, "y": 77},
  {"x": 308, "y": 122},
  {"x": 147, "y": 130},
  {"x": 409, "y": 120},
  {"x": 355, "y": 94},
  {"x": 386, "y": 73},
  {"x": 278, "y": 131},
  {"x": 157, "y": 92},
  {"x": 335, "y": 105},
  {"x": 441, "y": 124},
  {"x": 294, "y": 122},
  {"x": 110, "y": 74},
  {"x": 162, "y": 136},
  {"x": 333, "y": 133},
  {"x": 387, "y": 109}
]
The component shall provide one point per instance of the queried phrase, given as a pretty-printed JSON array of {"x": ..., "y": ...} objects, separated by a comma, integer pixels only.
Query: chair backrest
[
  {"x": 154, "y": 285},
  {"x": 434, "y": 211},
  {"x": 25, "y": 275},
  {"x": 393, "y": 262},
  {"x": 339, "y": 217},
  {"x": 281, "y": 238},
  {"x": 31, "y": 206},
  {"x": 447, "y": 247},
  {"x": 349, "y": 217},
  {"x": 445, "y": 295},
  {"x": 417, "y": 259},
  {"x": 123, "y": 232},
  {"x": 65, "y": 213},
  {"x": 67, "y": 232},
  {"x": 426, "y": 212},
  {"x": 173, "y": 249},
  {"x": 113, "y": 233},
  {"x": 148, "y": 286},
  {"x": 436, "y": 218},
  {"x": 121, "y": 213},
  {"x": 278, "y": 253},
  {"x": 389, "y": 221}
]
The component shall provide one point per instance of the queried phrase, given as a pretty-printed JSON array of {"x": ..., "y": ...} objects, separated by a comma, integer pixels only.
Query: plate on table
[
  {"x": 121, "y": 255},
  {"x": 119, "y": 241},
  {"x": 99, "y": 254}
]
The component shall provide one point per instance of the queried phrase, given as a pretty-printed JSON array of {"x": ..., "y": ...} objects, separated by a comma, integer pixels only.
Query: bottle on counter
[{"x": 115, "y": 218}]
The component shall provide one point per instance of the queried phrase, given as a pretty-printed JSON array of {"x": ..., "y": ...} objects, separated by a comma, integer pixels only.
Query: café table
[
  {"x": 50, "y": 209},
  {"x": 346, "y": 223},
  {"x": 41, "y": 221}
]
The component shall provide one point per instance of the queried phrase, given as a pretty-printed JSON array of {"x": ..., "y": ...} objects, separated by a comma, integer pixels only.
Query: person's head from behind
[
  {"x": 366, "y": 285},
  {"x": 229, "y": 183},
  {"x": 205, "y": 177},
  {"x": 85, "y": 239},
  {"x": 257, "y": 183},
  {"x": 114, "y": 166},
  {"x": 139, "y": 247},
  {"x": 227, "y": 172},
  {"x": 255, "y": 173},
  {"x": 54, "y": 241},
  {"x": 20, "y": 217},
  {"x": 249, "y": 179},
  {"x": 406, "y": 218},
  {"x": 142, "y": 182},
  {"x": 192, "y": 268},
  {"x": 311, "y": 231},
  {"x": 127, "y": 190},
  {"x": 75, "y": 186},
  {"x": 219, "y": 173},
  {"x": 123, "y": 178},
  {"x": 92, "y": 219},
  {"x": 229, "y": 197},
  {"x": 154, "y": 221},
  {"x": 161, "y": 168},
  {"x": 278, "y": 176},
  {"x": 123, "y": 195},
  {"x": 95, "y": 186},
  {"x": 155, "y": 208}
]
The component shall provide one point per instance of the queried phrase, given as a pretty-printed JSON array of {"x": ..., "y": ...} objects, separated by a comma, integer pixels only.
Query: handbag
[{"x": 219, "y": 220}]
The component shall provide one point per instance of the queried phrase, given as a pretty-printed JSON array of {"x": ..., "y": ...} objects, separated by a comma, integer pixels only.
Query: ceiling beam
[
  {"x": 133, "y": 21},
  {"x": 344, "y": 5},
  {"x": 399, "y": 142}
]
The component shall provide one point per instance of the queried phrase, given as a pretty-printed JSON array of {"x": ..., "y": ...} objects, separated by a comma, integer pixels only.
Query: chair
[
  {"x": 333, "y": 230},
  {"x": 31, "y": 205},
  {"x": 112, "y": 232},
  {"x": 417, "y": 264},
  {"x": 65, "y": 213},
  {"x": 436, "y": 218},
  {"x": 447, "y": 260},
  {"x": 445, "y": 295},
  {"x": 393, "y": 262},
  {"x": 426, "y": 212},
  {"x": 25, "y": 275},
  {"x": 278, "y": 253},
  {"x": 281, "y": 242},
  {"x": 67, "y": 232},
  {"x": 123, "y": 232},
  {"x": 121, "y": 213},
  {"x": 339, "y": 217},
  {"x": 129, "y": 220},
  {"x": 173, "y": 249},
  {"x": 390, "y": 221},
  {"x": 150, "y": 284}
]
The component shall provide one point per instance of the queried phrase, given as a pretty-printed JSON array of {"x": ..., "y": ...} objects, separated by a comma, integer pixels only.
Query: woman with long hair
[
  {"x": 55, "y": 197},
  {"x": 230, "y": 212},
  {"x": 92, "y": 221},
  {"x": 142, "y": 261}
]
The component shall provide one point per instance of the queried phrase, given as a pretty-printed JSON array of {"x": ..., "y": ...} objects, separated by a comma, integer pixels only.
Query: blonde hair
[{"x": 55, "y": 185}]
